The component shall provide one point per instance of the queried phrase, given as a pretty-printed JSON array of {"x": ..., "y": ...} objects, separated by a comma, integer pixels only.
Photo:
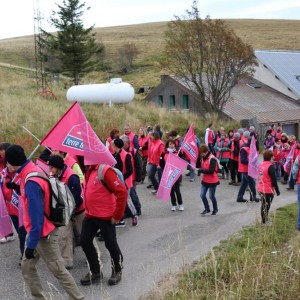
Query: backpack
[
  {"x": 220, "y": 167},
  {"x": 117, "y": 171},
  {"x": 62, "y": 203}
]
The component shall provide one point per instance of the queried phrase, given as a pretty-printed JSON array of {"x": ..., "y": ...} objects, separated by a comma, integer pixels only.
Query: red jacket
[
  {"x": 225, "y": 152},
  {"x": 209, "y": 178},
  {"x": 131, "y": 136},
  {"x": 156, "y": 147},
  {"x": 101, "y": 202},
  {"x": 48, "y": 225},
  {"x": 7, "y": 193},
  {"x": 65, "y": 178},
  {"x": 264, "y": 184},
  {"x": 129, "y": 179},
  {"x": 110, "y": 148},
  {"x": 243, "y": 168},
  {"x": 142, "y": 141}
]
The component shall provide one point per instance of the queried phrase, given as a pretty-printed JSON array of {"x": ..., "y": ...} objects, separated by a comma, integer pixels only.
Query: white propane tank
[{"x": 115, "y": 91}]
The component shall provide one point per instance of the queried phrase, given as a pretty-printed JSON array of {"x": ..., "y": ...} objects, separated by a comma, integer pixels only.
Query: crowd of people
[{"x": 141, "y": 159}]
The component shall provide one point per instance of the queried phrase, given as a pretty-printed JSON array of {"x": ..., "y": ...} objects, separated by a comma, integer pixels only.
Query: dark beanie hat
[
  {"x": 15, "y": 155},
  {"x": 118, "y": 143},
  {"x": 56, "y": 161}
]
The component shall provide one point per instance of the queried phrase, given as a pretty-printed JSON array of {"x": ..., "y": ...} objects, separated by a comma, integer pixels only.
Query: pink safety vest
[
  {"x": 243, "y": 168},
  {"x": 209, "y": 178},
  {"x": 264, "y": 184}
]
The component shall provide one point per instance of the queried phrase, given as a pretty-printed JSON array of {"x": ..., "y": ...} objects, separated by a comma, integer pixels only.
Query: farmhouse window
[
  {"x": 172, "y": 101},
  {"x": 185, "y": 102},
  {"x": 160, "y": 100}
]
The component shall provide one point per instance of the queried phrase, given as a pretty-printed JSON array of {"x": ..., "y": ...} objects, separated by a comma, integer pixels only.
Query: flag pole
[
  {"x": 35, "y": 149},
  {"x": 35, "y": 138}
]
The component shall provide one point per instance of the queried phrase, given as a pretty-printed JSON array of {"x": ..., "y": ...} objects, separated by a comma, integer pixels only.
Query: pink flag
[
  {"x": 42, "y": 165},
  {"x": 288, "y": 163},
  {"x": 253, "y": 160},
  {"x": 173, "y": 169},
  {"x": 189, "y": 146},
  {"x": 5, "y": 222},
  {"x": 73, "y": 134}
]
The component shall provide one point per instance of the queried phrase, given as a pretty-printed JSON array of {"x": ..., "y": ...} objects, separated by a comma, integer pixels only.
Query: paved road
[{"x": 161, "y": 244}]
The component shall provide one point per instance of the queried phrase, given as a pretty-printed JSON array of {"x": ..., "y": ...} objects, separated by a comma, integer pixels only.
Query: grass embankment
[{"x": 260, "y": 262}]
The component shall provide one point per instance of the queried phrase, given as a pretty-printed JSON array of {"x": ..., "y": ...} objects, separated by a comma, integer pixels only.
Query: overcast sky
[{"x": 16, "y": 16}]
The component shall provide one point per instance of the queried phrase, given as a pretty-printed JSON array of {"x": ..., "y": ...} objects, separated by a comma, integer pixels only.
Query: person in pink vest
[
  {"x": 155, "y": 149},
  {"x": 134, "y": 143},
  {"x": 235, "y": 147},
  {"x": 42, "y": 235},
  {"x": 210, "y": 179},
  {"x": 105, "y": 203},
  {"x": 11, "y": 194},
  {"x": 143, "y": 143},
  {"x": 65, "y": 174},
  {"x": 267, "y": 185},
  {"x": 113, "y": 134},
  {"x": 124, "y": 164},
  {"x": 296, "y": 174},
  {"x": 243, "y": 169},
  {"x": 223, "y": 153}
]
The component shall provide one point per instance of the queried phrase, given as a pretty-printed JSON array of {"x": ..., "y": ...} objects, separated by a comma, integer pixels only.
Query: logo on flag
[
  {"x": 73, "y": 138},
  {"x": 174, "y": 167}
]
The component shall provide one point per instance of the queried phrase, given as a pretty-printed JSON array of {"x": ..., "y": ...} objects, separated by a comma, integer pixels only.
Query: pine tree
[{"x": 73, "y": 45}]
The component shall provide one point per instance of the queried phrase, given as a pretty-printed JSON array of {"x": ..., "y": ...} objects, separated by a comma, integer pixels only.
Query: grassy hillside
[{"x": 149, "y": 39}]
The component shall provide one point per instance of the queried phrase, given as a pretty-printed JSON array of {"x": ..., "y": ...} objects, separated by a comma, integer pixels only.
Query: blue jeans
[
  {"x": 298, "y": 222},
  {"x": 135, "y": 198},
  {"x": 212, "y": 197},
  {"x": 151, "y": 175},
  {"x": 192, "y": 171},
  {"x": 291, "y": 181},
  {"x": 21, "y": 232},
  {"x": 247, "y": 180}
]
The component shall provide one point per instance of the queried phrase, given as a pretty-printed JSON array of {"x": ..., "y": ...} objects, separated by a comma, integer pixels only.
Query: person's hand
[
  {"x": 13, "y": 186},
  {"x": 114, "y": 221},
  {"x": 29, "y": 253}
]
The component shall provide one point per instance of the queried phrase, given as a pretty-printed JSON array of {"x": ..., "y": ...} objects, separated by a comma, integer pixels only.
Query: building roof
[
  {"x": 283, "y": 64},
  {"x": 264, "y": 103},
  {"x": 246, "y": 102}
]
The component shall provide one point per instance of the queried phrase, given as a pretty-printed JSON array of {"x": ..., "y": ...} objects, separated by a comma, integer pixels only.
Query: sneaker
[
  {"x": 181, "y": 208},
  {"x": 149, "y": 186},
  {"x": 154, "y": 192},
  {"x": 173, "y": 208},
  {"x": 232, "y": 182},
  {"x": 192, "y": 180},
  {"x": 138, "y": 212},
  {"x": 121, "y": 224},
  {"x": 237, "y": 184},
  {"x": 89, "y": 278},
  {"x": 3, "y": 240},
  {"x": 10, "y": 238},
  {"x": 115, "y": 278},
  {"x": 289, "y": 189},
  {"x": 188, "y": 174},
  {"x": 241, "y": 200},
  {"x": 283, "y": 182},
  {"x": 268, "y": 223},
  {"x": 214, "y": 212},
  {"x": 134, "y": 220},
  {"x": 205, "y": 212}
]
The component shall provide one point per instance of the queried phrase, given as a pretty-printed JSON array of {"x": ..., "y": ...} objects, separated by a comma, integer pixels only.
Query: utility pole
[{"x": 40, "y": 53}]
